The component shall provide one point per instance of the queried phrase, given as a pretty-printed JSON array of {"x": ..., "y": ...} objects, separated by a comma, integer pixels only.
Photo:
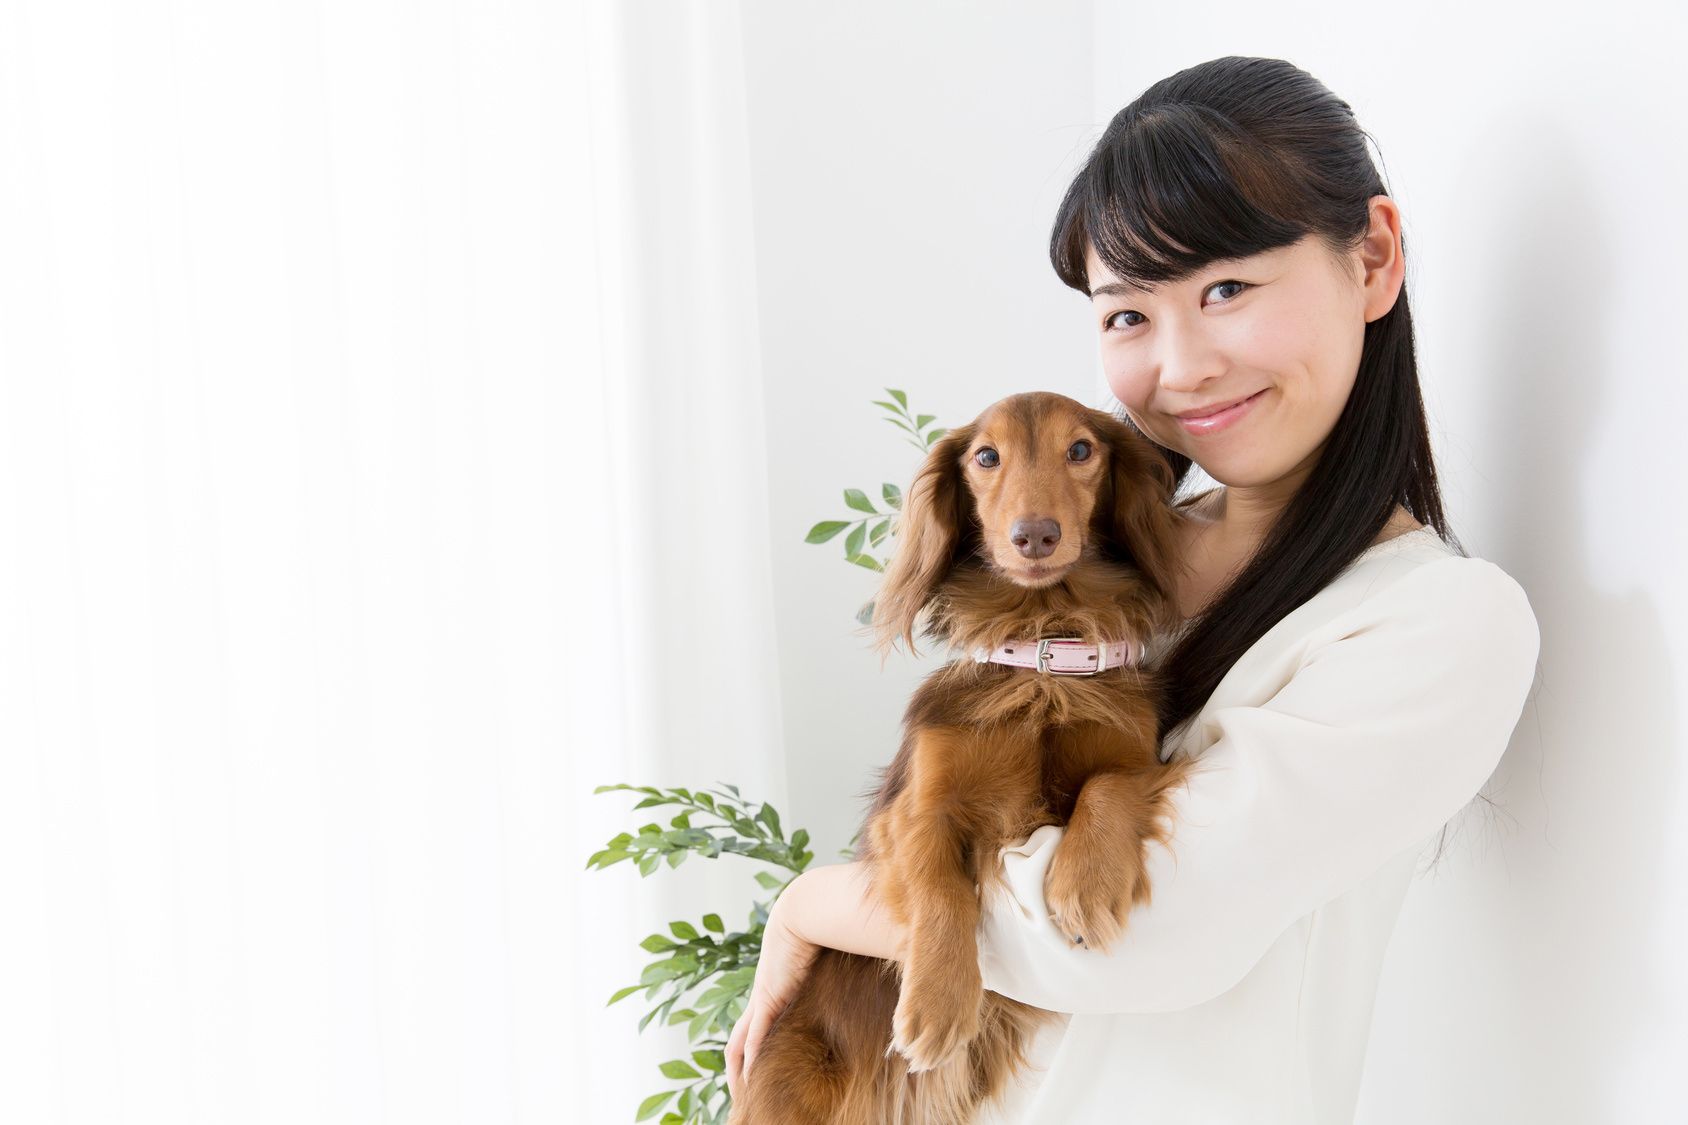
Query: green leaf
[
  {"x": 864, "y": 560},
  {"x": 648, "y": 864},
  {"x": 768, "y": 816},
  {"x": 879, "y": 532},
  {"x": 683, "y": 931},
  {"x": 606, "y": 857},
  {"x": 858, "y": 500},
  {"x": 650, "y": 1105},
  {"x": 893, "y": 495},
  {"x": 658, "y": 971},
  {"x": 713, "y": 1061},
  {"x": 679, "y": 1068},
  {"x": 656, "y": 943},
  {"x": 901, "y": 425},
  {"x": 900, "y": 397},
  {"x": 853, "y": 545},
  {"x": 936, "y": 434},
  {"x": 650, "y": 1015},
  {"x": 800, "y": 839},
  {"x": 713, "y": 923},
  {"x": 920, "y": 422},
  {"x": 623, "y": 992},
  {"x": 700, "y": 1024},
  {"x": 891, "y": 406},
  {"x": 825, "y": 530}
]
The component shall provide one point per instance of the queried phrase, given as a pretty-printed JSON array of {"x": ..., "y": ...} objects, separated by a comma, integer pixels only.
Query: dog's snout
[{"x": 1035, "y": 539}]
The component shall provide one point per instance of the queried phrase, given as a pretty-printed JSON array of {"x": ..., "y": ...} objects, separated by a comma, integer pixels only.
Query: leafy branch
[
  {"x": 876, "y": 526},
  {"x": 719, "y": 966}
]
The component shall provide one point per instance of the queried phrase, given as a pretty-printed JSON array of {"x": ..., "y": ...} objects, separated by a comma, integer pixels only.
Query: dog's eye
[
  {"x": 986, "y": 457},
  {"x": 1078, "y": 451}
]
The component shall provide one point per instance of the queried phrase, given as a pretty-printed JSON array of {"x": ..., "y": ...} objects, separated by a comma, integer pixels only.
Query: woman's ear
[
  {"x": 938, "y": 526},
  {"x": 1138, "y": 517}
]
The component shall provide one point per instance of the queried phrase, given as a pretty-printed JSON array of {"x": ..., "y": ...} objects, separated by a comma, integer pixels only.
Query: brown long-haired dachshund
[{"x": 1041, "y": 519}]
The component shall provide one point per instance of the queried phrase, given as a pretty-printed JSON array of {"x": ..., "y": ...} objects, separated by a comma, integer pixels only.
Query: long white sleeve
[{"x": 1392, "y": 721}]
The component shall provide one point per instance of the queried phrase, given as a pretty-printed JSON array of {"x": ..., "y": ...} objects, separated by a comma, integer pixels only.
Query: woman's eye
[
  {"x": 986, "y": 458},
  {"x": 1078, "y": 451},
  {"x": 1109, "y": 324},
  {"x": 1217, "y": 284}
]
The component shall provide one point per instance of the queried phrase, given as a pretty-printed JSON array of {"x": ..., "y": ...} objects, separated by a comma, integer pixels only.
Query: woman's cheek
[{"x": 1126, "y": 385}]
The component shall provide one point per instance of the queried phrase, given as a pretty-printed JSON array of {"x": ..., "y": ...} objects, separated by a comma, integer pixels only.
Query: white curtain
[{"x": 383, "y": 469}]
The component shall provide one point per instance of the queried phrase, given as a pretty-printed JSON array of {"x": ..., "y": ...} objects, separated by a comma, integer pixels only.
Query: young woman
[{"x": 1345, "y": 675}]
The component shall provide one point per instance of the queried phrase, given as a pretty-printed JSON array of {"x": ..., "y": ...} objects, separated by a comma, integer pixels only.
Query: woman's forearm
[{"x": 835, "y": 907}]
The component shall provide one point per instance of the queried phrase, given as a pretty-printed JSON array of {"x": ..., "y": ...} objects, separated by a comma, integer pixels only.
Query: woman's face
[{"x": 1284, "y": 326}]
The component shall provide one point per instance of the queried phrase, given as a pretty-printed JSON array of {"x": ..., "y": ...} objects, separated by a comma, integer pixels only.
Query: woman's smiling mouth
[{"x": 1211, "y": 423}]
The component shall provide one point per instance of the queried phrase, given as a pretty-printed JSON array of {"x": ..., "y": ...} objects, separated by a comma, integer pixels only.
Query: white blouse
[{"x": 1330, "y": 755}]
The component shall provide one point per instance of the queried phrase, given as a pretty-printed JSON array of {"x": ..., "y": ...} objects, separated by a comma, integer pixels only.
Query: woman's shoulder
[
  {"x": 1409, "y": 584},
  {"x": 1413, "y": 599},
  {"x": 1427, "y": 566},
  {"x": 1375, "y": 572}
]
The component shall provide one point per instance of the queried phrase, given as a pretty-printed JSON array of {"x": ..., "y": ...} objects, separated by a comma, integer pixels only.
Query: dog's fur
[{"x": 989, "y": 753}]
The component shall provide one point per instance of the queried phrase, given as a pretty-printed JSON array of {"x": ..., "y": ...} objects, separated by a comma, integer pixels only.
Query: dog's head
[{"x": 1035, "y": 483}]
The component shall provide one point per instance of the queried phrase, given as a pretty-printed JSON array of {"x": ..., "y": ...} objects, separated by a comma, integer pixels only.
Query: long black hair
[{"x": 1227, "y": 159}]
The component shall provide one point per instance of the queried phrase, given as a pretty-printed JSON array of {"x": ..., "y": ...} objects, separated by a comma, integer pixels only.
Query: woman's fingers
[
  {"x": 735, "y": 1055},
  {"x": 742, "y": 1045},
  {"x": 753, "y": 1039}
]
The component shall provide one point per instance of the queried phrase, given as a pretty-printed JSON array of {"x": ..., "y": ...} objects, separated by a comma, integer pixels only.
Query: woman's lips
[{"x": 1219, "y": 421}]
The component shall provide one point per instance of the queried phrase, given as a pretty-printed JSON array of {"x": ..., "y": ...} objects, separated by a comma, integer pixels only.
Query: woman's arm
[
  {"x": 1392, "y": 717},
  {"x": 835, "y": 907}
]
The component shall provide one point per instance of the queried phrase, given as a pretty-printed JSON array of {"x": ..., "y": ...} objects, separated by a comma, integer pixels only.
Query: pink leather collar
[{"x": 1063, "y": 656}]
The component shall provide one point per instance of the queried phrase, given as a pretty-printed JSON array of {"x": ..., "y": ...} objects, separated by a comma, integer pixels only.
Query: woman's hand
[{"x": 780, "y": 967}]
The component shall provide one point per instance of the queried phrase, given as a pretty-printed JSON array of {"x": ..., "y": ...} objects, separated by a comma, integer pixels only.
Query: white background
[{"x": 410, "y": 417}]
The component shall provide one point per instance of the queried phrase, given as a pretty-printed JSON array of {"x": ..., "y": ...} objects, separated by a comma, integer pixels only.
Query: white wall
[
  {"x": 907, "y": 166},
  {"x": 907, "y": 160}
]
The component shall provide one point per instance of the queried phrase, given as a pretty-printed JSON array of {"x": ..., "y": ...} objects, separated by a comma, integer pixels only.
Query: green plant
[
  {"x": 864, "y": 530},
  {"x": 715, "y": 965},
  {"x": 717, "y": 969}
]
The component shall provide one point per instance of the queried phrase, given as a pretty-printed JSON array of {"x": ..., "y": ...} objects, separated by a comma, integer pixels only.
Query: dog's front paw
[
  {"x": 1089, "y": 896},
  {"x": 939, "y": 1009}
]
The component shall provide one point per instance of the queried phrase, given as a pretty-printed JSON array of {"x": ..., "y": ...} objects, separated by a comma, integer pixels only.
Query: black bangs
[{"x": 1168, "y": 191}]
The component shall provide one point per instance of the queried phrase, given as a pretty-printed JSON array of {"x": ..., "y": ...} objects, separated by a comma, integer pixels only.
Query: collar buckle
[{"x": 1045, "y": 658}]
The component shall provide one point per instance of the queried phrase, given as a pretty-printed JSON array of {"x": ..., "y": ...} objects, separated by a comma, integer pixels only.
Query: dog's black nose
[{"x": 1035, "y": 538}]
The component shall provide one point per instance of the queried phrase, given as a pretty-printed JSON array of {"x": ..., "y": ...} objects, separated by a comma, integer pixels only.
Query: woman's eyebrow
[
  {"x": 1113, "y": 289},
  {"x": 1126, "y": 289}
]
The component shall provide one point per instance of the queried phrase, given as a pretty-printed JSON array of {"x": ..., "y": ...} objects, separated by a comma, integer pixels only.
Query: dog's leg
[
  {"x": 1098, "y": 871},
  {"x": 1095, "y": 869},
  {"x": 939, "y": 1005}
]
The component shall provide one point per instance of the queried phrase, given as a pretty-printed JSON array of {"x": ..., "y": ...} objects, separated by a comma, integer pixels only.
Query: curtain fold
[{"x": 380, "y": 406}]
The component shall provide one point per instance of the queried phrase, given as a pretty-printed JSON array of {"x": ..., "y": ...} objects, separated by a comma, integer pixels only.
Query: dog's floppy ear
[
  {"x": 939, "y": 525},
  {"x": 1138, "y": 517}
]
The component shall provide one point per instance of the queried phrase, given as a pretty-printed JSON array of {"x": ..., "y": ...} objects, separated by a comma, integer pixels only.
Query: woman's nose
[{"x": 1186, "y": 359}]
